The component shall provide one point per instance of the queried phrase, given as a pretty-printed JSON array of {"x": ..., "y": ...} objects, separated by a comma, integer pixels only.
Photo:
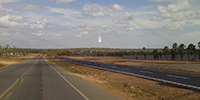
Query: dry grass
[
  {"x": 6, "y": 61},
  {"x": 128, "y": 87}
]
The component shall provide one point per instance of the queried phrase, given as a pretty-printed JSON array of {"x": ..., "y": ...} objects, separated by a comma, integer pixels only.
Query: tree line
[
  {"x": 176, "y": 49},
  {"x": 13, "y": 51},
  {"x": 181, "y": 50}
]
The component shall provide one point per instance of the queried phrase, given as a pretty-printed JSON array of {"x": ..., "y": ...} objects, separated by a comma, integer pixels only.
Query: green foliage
[
  {"x": 181, "y": 50},
  {"x": 166, "y": 50}
]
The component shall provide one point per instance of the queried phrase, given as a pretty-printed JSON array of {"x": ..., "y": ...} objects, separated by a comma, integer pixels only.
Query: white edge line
[
  {"x": 176, "y": 76},
  {"x": 146, "y": 72},
  {"x": 86, "y": 98}
]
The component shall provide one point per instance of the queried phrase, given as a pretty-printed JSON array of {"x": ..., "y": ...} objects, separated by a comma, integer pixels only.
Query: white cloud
[
  {"x": 182, "y": 5},
  {"x": 163, "y": 0},
  {"x": 155, "y": 18},
  {"x": 40, "y": 33},
  {"x": 64, "y": 1},
  {"x": 97, "y": 10},
  {"x": 178, "y": 14},
  {"x": 130, "y": 29},
  {"x": 4, "y": 34},
  {"x": 32, "y": 7},
  {"x": 69, "y": 13},
  {"x": 128, "y": 16},
  {"x": 93, "y": 10},
  {"x": 37, "y": 25},
  {"x": 8, "y": 1},
  {"x": 117, "y": 7},
  {"x": 10, "y": 20},
  {"x": 81, "y": 34}
]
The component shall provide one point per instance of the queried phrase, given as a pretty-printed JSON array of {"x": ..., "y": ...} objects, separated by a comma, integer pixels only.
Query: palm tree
[
  {"x": 174, "y": 50},
  {"x": 199, "y": 44},
  {"x": 191, "y": 49},
  {"x": 144, "y": 53},
  {"x": 155, "y": 54},
  {"x": 166, "y": 51},
  {"x": 199, "y": 49},
  {"x": 181, "y": 49}
]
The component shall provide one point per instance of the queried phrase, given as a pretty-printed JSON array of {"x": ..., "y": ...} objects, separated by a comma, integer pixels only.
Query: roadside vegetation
[
  {"x": 10, "y": 60},
  {"x": 12, "y": 55}
]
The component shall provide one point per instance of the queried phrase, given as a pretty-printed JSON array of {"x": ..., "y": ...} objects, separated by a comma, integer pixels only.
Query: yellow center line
[
  {"x": 8, "y": 96},
  {"x": 21, "y": 80},
  {"x": 10, "y": 88},
  {"x": 23, "y": 75}
]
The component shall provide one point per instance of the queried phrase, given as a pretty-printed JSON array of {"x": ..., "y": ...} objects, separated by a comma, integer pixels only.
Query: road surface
[
  {"x": 176, "y": 79},
  {"x": 38, "y": 79}
]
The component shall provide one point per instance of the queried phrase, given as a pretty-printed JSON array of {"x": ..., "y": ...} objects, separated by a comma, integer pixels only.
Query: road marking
[
  {"x": 10, "y": 88},
  {"x": 8, "y": 96},
  {"x": 86, "y": 98},
  {"x": 146, "y": 72},
  {"x": 21, "y": 81},
  {"x": 175, "y": 76},
  {"x": 25, "y": 73}
]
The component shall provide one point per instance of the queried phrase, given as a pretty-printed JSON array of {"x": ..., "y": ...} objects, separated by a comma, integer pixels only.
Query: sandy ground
[
  {"x": 190, "y": 67},
  {"x": 128, "y": 87}
]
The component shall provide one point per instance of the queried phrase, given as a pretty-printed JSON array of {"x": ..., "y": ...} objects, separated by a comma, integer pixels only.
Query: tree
[
  {"x": 174, "y": 50},
  {"x": 181, "y": 50},
  {"x": 166, "y": 51},
  {"x": 199, "y": 49},
  {"x": 199, "y": 44},
  {"x": 155, "y": 54},
  {"x": 1, "y": 50},
  {"x": 144, "y": 53},
  {"x": 191, "y": 50},
  {"x": 7, "y": 46}
]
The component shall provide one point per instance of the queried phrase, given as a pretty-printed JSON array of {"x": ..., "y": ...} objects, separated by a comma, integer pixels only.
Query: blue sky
[{"x": 78, "y": 23}]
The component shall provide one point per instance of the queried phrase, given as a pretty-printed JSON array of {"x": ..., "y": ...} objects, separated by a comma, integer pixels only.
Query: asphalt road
[
  {"x": 38, "y": 79},
  {"x": 176, "y": 79}
]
